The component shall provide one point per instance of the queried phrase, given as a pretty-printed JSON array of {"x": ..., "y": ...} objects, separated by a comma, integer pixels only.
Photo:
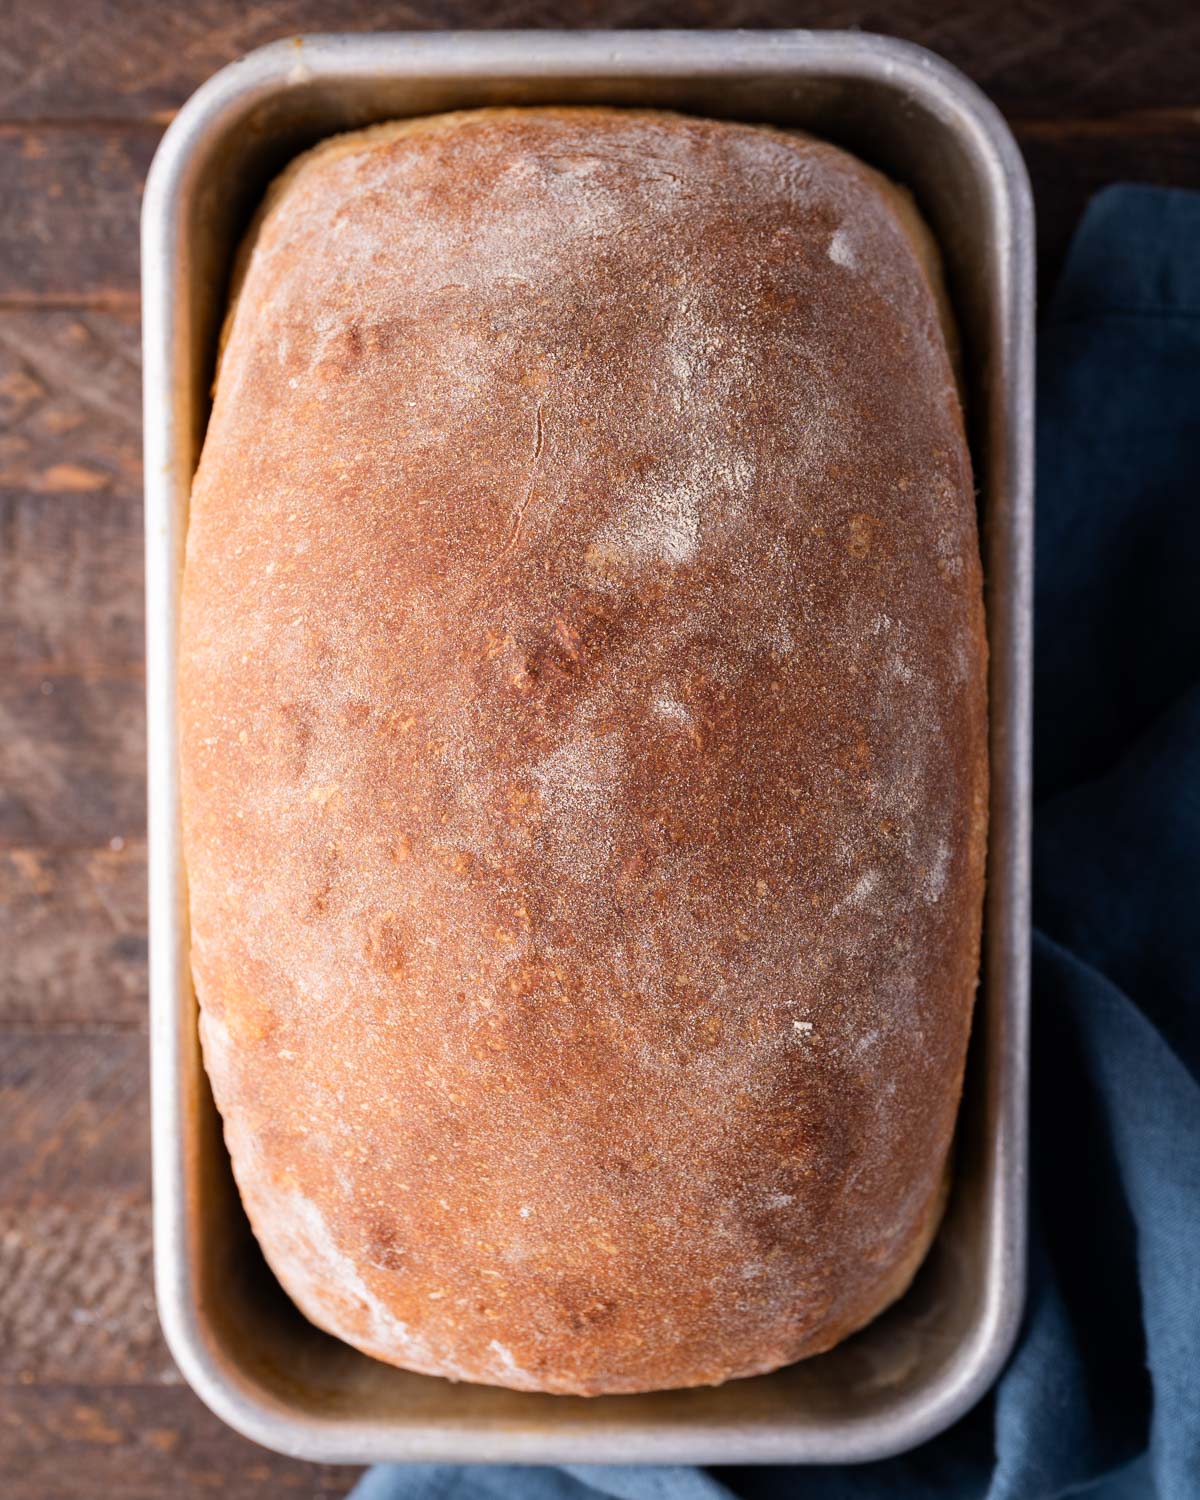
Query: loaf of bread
[{"x": 584, "y": 745}]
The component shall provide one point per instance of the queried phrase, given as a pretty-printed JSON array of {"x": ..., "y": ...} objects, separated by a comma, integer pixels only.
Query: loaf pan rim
[{"x": 230, "y": 95}]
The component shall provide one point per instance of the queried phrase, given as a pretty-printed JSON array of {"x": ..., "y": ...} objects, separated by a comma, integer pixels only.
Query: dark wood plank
[
  {"x": 1069, "y": 160},
  {"x": 1039, "y": 58},
  {"x": 76, "y": 1118},
  {"x": 69, "y": 211},
  {"x": 76, "y": 1442},
  {"x": 76, "y": 1295},
  {"x": 70, "y": 400},
  {"x": 72, "y": 757},
  {"x": 72, "y": 919},
  {"x": 70, "y": 579},
  {"x": 105, "y": 58},
  {"x": 73, "y": 932},
  {"x": 77, "y": 1299}
]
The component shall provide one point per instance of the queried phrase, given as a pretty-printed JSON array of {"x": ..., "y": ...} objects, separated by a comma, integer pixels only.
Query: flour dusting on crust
[{"x": 584, "y": 768}]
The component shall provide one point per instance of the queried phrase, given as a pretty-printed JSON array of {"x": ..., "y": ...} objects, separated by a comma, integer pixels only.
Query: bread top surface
[{"x": 584, "y": 745}]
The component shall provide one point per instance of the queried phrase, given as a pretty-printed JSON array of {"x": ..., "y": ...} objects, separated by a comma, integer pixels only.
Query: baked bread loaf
[{"x": 584, "y": 745}]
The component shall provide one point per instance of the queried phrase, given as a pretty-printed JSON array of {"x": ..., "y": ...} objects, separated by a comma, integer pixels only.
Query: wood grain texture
[
  {"x": 73, "y": 927},
  {"x": 72, "y": 753},
  {"x": 1097, "y": 90},
  {"x": 75, "y": 1284},
  {"x": 70, "y": 396},
  {"x": 100, "y": 1316},
  {"x": 70, "y": 578},
  {"x": 1069, "y": 160},
  {"x": 82, "y": 1442},
  {"x": 69, "y": 211},
  {"x": 76, "y": 1117},
  {"x": 140, "y": 59}
]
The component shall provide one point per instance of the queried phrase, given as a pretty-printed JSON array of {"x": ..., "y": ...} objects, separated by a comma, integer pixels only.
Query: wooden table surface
[{"x": 90, "y": 1404}]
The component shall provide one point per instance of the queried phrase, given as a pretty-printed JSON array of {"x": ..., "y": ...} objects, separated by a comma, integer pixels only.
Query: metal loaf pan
[{"x": 238, "y": 1340}]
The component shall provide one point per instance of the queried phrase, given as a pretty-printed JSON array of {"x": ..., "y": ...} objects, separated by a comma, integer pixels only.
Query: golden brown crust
[{"x": 584, "y": 746}]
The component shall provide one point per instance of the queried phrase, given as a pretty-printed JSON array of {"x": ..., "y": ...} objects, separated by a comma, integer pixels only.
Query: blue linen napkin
[{"x": 1102, "y": 1395}]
